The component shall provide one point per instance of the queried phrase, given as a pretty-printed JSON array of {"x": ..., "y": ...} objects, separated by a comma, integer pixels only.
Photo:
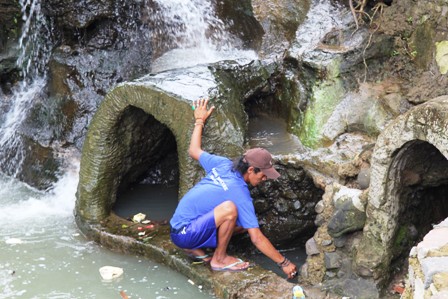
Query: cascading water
[
  {"x": 195, "y": 34},
  {"x": 43, "y": 255},
  {"x": 33, "y": 58},
  {"x": 35, "y": 43}
]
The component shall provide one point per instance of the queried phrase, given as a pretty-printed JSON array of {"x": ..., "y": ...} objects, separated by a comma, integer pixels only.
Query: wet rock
[
  {"x": 349, "y": 213},
  {"x": 340, "y": 241},
  {"x": 319, "y": 208},
  {"x": 285, "y": 221},
  {"x": 369, "y": 110},
  {"x": 237, "y": 285},
  {"x": 326, "y": 242},
  {"x": 43, "y": 166},
  {"x": 10, "y": 23},
  {"x": 363, "y": 178},
  {"x": 348, "y": 170},
  {"x": 78, "y": 14},
  {"x": 240, "y": 19},
  {"x": 354, "y": 288},
  {"x": 320, "y": 220},
  {"x": 311, "y": 247},
  {"x": 332, "y": 260},
  {"x": 280, "y": 20}
]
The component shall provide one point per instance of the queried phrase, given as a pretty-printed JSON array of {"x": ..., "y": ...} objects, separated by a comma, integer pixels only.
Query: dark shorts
[{"x": 200, "y": 233}]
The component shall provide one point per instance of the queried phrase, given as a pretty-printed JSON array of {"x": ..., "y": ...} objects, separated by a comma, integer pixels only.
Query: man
[{"x": 220, "y": 204}]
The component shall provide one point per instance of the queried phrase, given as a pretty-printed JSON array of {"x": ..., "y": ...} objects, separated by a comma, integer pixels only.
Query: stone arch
[
  {"x": 108, "y": 153},
  {"x": 422, "y": 130}
]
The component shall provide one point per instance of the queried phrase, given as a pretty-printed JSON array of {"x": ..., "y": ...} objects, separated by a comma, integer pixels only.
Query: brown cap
[{"x": 261, "y": 158}]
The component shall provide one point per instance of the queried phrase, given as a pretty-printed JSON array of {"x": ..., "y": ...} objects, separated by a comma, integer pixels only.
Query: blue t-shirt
[{"x": 219, "y": 185}]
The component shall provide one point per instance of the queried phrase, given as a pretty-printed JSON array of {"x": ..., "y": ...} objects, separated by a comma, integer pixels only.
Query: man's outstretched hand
[{"x": 200, "y": 109}]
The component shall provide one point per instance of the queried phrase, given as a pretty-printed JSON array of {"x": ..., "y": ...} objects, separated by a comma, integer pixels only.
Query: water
[
  {"x": 158, "y": 202},
  {"x": 270, "y": 133},
  {"x": 33, "y": 57},
  {"x": 198, "y": 36},
  {"x": 35, "y": 42},
  {"x": 43, "y": 255}
]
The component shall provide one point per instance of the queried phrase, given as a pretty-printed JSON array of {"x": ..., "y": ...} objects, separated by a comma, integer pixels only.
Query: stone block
[
  {"x": 441, "y": 281},
  {"x": 432, "y": 266},
  {"x": 434, "y": 240},
  {"x": 419, "y": 289}
]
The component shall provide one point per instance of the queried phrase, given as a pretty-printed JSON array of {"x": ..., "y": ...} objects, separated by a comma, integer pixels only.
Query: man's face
[{"x": 256, "y": 178}]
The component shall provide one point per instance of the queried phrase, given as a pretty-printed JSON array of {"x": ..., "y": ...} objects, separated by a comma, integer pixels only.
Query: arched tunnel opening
[
  {"x": 150, "y": 183},
  {"x": 421, "y": 184}
]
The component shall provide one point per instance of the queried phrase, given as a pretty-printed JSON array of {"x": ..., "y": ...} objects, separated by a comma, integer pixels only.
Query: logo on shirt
[{"x": 217, "y": 179}]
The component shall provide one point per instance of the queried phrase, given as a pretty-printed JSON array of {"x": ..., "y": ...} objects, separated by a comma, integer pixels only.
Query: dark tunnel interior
[
  {"x": 150, "y": 183},
  {"x": 421, "y": 172}
]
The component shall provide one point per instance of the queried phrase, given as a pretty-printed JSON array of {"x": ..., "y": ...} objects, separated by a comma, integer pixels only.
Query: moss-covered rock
[
  {"x": 442, "y": 56},
  {"x": 326, "y": 95}
]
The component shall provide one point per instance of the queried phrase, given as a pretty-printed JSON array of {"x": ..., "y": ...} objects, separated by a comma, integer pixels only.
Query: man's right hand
[
  {"x": 201, "y": 113},
  {"x": 290, "y": 270},
  {"x": 200, "y": 109}
]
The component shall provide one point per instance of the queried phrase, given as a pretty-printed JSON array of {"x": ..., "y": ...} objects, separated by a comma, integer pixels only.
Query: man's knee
[{"x": 228, "y": 209}]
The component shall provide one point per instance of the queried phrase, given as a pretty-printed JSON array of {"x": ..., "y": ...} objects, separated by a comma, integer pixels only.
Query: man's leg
[{"x": 225, "y": 218}]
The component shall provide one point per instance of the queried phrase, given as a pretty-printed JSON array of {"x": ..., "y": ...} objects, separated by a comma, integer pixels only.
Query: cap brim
[{"x": 271, "y": 173}]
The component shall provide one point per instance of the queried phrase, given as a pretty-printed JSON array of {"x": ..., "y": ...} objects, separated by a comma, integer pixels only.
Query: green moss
[
  {"x": 402, "y": 235},
  {"x": 326, "y": 96},
  {"x": 442, "y": 56}
]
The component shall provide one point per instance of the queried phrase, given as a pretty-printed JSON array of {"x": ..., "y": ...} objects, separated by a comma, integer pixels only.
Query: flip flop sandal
[
  {"x": 228, "y": 268},
  {"x": 199, "y": 259}
]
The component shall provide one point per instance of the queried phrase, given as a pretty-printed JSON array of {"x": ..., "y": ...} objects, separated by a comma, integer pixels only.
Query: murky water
[
  {"x": 43, "y": 255},
  {"x": 157, "y": 202},
  {"x": 270, "y": 133}
]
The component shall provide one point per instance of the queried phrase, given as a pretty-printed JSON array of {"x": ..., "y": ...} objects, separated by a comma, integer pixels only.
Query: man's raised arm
[{"x": 201, "y": 113}]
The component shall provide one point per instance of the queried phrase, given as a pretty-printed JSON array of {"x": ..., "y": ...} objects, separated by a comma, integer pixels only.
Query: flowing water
[
  {"x": 43, "y": 255},
  {"x": 199, "y": 36}
]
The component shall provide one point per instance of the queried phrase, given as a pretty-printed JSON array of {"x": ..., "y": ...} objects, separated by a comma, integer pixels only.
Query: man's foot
[
  {"x": 198, "y": 255},
  {"x": 230, "y": 264}
]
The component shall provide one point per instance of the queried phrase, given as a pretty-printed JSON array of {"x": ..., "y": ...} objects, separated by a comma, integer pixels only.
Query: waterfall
[
  {"x": 193, "y": 24},
  {"x": 34, "y": 52},
  {"x": 35, "y": 41},
  {"x": 195, "y": 35}
]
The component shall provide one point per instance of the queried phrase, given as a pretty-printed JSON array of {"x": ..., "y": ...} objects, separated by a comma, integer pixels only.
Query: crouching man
[{"x": 220, "y": 204}]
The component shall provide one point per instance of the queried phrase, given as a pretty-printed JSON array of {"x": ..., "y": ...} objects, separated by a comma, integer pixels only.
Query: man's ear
[{"x": 250, "y": 169}]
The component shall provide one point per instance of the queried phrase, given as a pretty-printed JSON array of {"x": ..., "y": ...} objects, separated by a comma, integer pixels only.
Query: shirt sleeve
[{"x": 208, "y": 161}]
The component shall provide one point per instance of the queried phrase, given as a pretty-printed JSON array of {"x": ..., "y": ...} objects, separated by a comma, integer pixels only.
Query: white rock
[
  {"x": 110, "y": 273},
  {"x": 13, "y": 241},
  {"x": 139, "y": 217}
]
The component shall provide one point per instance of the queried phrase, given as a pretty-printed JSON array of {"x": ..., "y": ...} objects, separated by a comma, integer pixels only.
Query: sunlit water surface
[{"x": 43, "y": 255}]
